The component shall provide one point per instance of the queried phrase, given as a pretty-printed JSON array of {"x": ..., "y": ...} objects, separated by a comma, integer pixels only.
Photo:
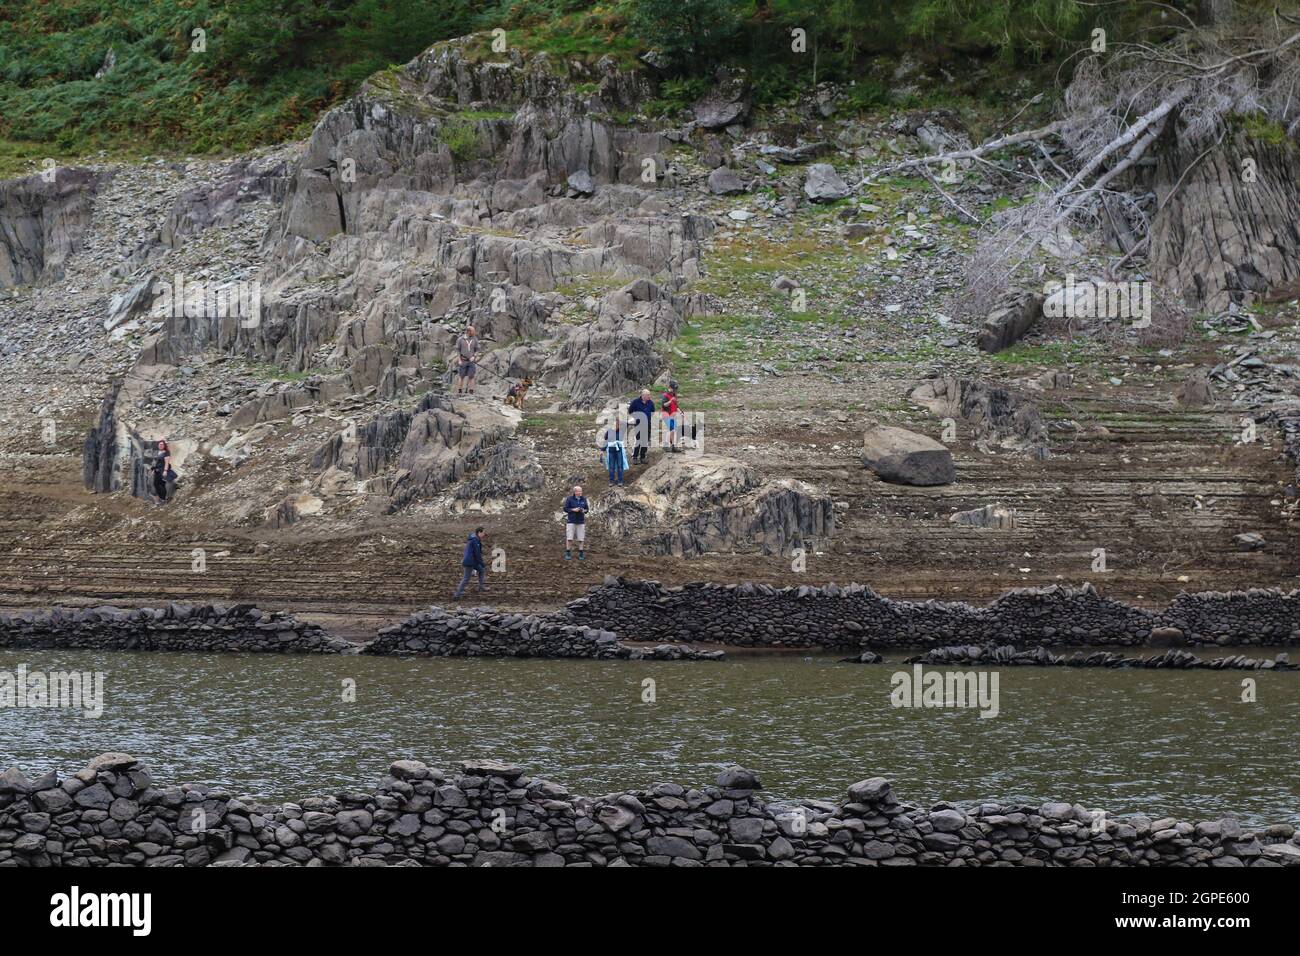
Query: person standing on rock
[
  {"x": 575, "y": 523},
  {"x": 162, "y": 471},
  {"x": 472, "y": 563},
  {"x": 641, "y": 412},
  {"x": 671, "y": 415},
  {"x": 467, "y": 355}
]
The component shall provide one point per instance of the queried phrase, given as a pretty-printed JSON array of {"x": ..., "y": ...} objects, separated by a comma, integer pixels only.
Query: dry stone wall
[
  {"x": 170, "y": 627},
  {"x": 112, "y": 813},
  {"x": 853, "y": 615}
]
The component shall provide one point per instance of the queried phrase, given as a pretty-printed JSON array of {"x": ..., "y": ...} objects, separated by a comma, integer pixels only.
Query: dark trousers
[
  {"x": 160, "y": 486},
  {"x": 464, "y": 579}
]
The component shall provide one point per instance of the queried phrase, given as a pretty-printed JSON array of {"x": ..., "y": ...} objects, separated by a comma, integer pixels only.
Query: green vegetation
[
  {"x": 461, "y": 137},
  {"x": 201, "y": 76}
]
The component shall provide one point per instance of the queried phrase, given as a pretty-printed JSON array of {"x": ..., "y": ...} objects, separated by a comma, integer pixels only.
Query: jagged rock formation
[
  {"x": 1226, "y": 229},
  {"x": 111, "y": 813},
  {"x": 405, "y": 456},
  {"x": 41, "y": 222},
  {"x": 218, "y": 203},
  {"x": 710, "y": 503},
  {"x": 443, "y": 193},
  {"x": 992, "y": 411}
]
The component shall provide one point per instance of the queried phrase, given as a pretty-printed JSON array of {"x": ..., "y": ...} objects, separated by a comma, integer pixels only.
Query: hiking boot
[
  {"x": 582, "y": 556},
  {"x": 568, "y": 555}
]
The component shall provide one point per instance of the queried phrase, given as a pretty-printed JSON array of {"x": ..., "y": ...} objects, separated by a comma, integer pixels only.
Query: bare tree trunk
[{"x": 1220, "y": 237}]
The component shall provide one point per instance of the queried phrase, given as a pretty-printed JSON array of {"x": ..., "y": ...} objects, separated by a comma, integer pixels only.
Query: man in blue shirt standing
[
  {"x": 472, "y": 563},
  {"x": 575, "y": 523}
]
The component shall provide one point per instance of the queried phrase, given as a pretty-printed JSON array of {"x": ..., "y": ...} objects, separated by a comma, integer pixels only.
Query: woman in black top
[{"x": 162, "y": 464}]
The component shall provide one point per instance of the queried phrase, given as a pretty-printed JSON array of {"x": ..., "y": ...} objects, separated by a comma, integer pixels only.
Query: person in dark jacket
[
  {"x": 575, "y": 523},
  {"x": 162, "y": 471},
  {"x": 472, "y": 563},
  {"x": 641, "y": 412}
]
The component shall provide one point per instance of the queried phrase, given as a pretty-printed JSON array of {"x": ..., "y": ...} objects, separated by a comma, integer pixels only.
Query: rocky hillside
[{"x": 765, "y": 258}]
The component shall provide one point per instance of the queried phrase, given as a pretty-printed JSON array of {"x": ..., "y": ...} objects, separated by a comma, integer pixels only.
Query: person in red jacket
[{"x": 671, "y": 415}]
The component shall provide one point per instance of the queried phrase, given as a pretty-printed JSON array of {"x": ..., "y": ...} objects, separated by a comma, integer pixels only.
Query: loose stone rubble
[{"x": 112, "y": 813}]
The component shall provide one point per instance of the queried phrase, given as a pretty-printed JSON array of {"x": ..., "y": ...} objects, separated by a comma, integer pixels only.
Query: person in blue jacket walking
[{"x": 472, "y": 563}]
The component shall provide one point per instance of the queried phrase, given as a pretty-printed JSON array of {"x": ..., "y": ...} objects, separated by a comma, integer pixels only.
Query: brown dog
[{"x": 518, "y": 392}]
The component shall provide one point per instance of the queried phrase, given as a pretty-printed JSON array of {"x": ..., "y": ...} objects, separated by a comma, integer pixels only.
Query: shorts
[
  {"x": 573, "y": 530},
  {"x": 467, "y": 369},
  {"x": 672, "y": 424}
]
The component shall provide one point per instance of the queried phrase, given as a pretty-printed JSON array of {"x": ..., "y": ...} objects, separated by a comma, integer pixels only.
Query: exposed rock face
[
  {"x": 726, "y": 104},
  {"x": 112, "y": 813},
  {"x": 823, "y": 184},
  {"x": 902, "y": 457},
  {"x": 711, "y": 503},
  {"x": 217, "y": 203},
  {"x": 1010, "y": 321},
  {"x": 1218, "y": 238},
  {"x": 405, "y": 456},
  {"x": 992, "y": 411},
  {"x": 41, "y": 223},
  {"x": 509, "y": 470}
]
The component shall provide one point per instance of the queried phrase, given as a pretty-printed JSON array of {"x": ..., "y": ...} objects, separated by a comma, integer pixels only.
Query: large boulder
[
  {"x": 823, "y": 184},
  {"x": 1010, "y": 321},
  {"x": 901, "y": 457},
  {"x": 723, "y": 181},
  {"x": 725, "y": 105}
]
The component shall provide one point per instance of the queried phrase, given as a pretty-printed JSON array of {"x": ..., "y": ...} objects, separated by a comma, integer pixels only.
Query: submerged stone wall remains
[
  {"x": 854, "y": 615},
  {"x": 171, "y": 627},
  {"x": 618, "y": 615},
  {"x": 492, "y": 814},
  {"x": 483, "y": 632}
]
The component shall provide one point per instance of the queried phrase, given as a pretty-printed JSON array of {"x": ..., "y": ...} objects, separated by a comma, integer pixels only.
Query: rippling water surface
[{"x": 1162, "y": 742}]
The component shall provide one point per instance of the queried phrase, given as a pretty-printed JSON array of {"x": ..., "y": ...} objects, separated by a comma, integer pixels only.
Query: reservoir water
[{"x": 1177, "y": 743}]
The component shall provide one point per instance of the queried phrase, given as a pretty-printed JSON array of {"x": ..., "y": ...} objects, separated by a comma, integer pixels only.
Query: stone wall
[
  {"x": 617, "y": 616},
  {"x": 492, "y": 814},
  {"x": 855, "y": 616},
  {"x": 171, "y": 627},
  {"x": 486, "y": 633}
]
